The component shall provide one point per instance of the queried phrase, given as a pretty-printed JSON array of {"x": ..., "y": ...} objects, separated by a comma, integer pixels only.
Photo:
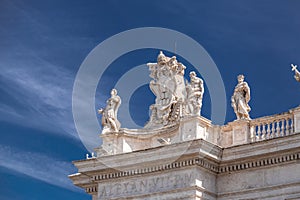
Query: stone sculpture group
[{"x": 175, "y": 97}]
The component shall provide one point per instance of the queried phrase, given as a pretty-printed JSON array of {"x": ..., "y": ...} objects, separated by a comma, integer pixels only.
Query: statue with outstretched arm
[{"x": 110, "y": 122}]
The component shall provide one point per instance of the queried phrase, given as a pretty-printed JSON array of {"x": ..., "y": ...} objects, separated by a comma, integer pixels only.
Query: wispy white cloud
[
  {"x": 38, "y": 166},
  {"x": 42, "y": 92},
  {"x": 38, "y": 90}
]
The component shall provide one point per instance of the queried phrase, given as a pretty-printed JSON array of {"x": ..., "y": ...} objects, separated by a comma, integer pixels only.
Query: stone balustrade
[
  {"x": 247, "y": 131},
  {"x": 234, "y": 133},
  {"x": 272, "y": 127}
]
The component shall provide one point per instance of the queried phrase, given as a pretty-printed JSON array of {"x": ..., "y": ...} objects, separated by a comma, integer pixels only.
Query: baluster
[
  {"x": 282, "y": 128},
  {"x": 263, "y": 135},
  {"x": 268, "y": 134},
  {"x": 287, "y": 128},
  {"x": 292, "y": 126},
  {"x": 259, "y": 132},
  {"x": 253, "y": 133},
  {"x": 273, "y": 130},
  {"x": 277, "y": 129}
]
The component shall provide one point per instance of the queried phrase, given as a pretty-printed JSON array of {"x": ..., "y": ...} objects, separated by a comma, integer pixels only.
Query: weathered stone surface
[
  {"x": 197, "y": 169},
  {"x": 141, "y": 186},
  {"x": 276, "y": 182}
]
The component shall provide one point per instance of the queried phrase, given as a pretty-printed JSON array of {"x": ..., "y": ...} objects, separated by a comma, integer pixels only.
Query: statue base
[{"x": 129, "y": 140}]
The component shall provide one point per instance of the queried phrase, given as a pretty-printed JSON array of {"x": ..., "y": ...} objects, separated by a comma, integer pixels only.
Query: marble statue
[
  {"x": 297, "y": 73},
  {"x": 195, "y": 92},
  {"x": 168, "y": 87},
  {"x": 110, "y": 121},
  {"x": 174, "y": 99},
  {"x": 241, "y": 98}
]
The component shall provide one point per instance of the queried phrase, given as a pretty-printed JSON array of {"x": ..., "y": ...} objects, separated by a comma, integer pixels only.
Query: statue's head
[
  {"x": 192, "y": 74},
  {"x": 113, "y": 92},
  {"x": 240, "y": 78},
  {"x": 161, "y": 58}
]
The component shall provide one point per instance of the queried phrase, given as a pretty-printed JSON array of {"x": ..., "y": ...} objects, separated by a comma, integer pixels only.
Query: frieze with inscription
[{"x": 145, "y": 185}]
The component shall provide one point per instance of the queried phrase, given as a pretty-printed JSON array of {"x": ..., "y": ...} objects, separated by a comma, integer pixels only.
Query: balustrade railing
[{"x": 271, "y": 127}]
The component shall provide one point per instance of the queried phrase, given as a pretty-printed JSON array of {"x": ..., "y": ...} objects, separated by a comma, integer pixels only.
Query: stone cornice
[
  {"x": 203, "y": 162},
  {"x": 161, "y": 154},
  {"x": 90, "y": 180},
  {"x": 256, "y": 149},
  {"x": 158, "y": 168},
  {"x": 261, "y": 162},
  {"x": 199, "y": 153}
]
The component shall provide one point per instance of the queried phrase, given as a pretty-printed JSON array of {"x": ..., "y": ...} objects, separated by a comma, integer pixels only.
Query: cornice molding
[{"x": 235, "y": 161}]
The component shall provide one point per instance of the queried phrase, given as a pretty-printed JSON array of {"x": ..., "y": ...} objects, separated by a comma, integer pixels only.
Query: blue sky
[{"x": 43, "y": 43}]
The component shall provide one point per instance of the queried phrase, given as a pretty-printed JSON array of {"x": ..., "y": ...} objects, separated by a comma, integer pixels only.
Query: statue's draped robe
[{"x": 240, "y": 99}]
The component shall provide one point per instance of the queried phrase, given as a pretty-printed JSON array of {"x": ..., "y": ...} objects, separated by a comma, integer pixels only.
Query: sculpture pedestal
[
  {"x": 235, "y": 133},
  {"x": 128, "y": 140},
  {"x": 240, "y": 131},
  {"x": 195, "y": 127},
  {"x": 297, "y": 119}
]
